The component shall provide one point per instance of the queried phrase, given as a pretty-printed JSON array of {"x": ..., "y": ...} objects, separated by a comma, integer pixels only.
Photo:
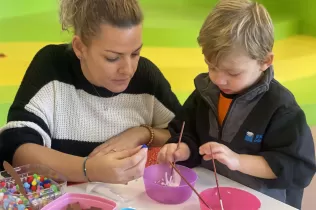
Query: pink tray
[{"x": 85, "y": 200}]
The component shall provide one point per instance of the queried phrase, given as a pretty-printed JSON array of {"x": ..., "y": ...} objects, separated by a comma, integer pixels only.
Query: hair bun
[{"x": 67, "y": 12}]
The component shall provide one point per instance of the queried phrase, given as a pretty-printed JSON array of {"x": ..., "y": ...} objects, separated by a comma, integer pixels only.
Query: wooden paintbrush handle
[
  {"x": 7, "y": 166},
  {"x": 188, "y": 183}
]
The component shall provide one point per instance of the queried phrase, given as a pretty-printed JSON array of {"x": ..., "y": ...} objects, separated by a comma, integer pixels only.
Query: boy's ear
[{"x": 267, "y": 62}]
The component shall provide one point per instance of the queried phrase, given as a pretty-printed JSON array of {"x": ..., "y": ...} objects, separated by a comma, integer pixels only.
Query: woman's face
[{"x": 112, "y": 56}]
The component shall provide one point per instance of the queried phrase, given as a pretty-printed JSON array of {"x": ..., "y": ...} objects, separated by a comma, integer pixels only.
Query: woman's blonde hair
[
  {"x": 237, "y": 24},
  {"x": 84, "y": 17}
]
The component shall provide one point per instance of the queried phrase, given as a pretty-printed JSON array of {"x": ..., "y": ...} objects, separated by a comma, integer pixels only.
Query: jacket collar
[{"x": 210, "y": 91}]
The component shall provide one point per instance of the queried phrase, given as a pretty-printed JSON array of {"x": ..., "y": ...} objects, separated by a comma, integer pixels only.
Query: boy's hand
[
  {"x": 221, "y": 153},
  {"x": 170, "y": 153}
]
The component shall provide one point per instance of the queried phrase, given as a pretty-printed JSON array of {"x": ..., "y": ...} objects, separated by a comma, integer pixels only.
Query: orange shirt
[{"x": 223, "y": 106}]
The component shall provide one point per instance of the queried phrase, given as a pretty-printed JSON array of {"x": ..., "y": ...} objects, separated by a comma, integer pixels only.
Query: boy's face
[{"x": 236, "y": 72}]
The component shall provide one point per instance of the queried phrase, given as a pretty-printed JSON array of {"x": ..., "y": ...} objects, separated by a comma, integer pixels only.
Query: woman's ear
[
  {"x": 78, "y": 46},
  {"x": 267, "y": 62}
]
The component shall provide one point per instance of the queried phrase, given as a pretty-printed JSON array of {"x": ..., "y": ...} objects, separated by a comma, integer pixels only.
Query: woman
[{"x": 95, "y": 98}]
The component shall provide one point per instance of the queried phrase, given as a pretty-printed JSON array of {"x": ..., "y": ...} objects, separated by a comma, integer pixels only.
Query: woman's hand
[
  {"x": 117, "y": 167},
  {"x": 221, "y": 153},
  {"x": 130, "y": 138}
]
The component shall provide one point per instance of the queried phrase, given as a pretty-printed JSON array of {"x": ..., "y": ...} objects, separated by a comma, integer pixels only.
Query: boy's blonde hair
[
  {"x": 86, "y": 16},
  {"x": 237, "y": 24}
]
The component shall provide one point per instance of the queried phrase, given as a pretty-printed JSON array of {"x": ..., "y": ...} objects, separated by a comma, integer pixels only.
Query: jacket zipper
[
  {"x": 219, "y": 132},
  {"x": 216, "y": 115},
  {"x": 220, "y": 127}
]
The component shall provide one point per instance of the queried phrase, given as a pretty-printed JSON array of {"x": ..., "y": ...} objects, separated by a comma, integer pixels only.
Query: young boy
[{"x": 257, "y": 132}]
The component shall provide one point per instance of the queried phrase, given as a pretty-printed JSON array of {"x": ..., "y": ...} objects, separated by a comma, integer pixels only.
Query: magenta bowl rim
[
  {"x": 185, "y": 185},
  {"x": 212, "y": 188}
]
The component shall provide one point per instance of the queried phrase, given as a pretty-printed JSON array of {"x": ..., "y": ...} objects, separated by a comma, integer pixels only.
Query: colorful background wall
[{"x": 170, "y": 31}]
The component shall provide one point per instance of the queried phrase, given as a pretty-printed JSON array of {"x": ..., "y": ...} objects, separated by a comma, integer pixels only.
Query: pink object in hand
[
  {"x": 86, "y": 201},
  {"x": 152, "y": 156},
  {"x": 233, "y": 199}
]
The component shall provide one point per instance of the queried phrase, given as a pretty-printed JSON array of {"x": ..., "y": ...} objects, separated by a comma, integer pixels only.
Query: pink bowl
[
  {"x": 85, "y": 200},
  {"x": 166, "y": 194},
  {"x": 233, "y": 199}
]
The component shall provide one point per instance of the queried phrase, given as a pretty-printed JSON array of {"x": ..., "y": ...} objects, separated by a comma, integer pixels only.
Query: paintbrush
[
  {"x": 11, "y": 171},
  {"x": 217, "y": 185},
  {"x": 179, "y": 141},
  {"x": 188, "y": 183}
]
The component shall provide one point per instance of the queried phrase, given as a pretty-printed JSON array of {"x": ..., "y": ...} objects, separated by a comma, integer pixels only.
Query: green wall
[
  {"x": 12, "y": 8},
  {"x": 173, "y": 22},
  {"x": 308, "y": 14},
  {"x": 300, "y": 13},
  {"x": 168, "y": 23}
]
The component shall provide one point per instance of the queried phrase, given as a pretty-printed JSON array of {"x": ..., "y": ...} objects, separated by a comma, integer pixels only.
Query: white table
[{"x": 135, "y": 193}]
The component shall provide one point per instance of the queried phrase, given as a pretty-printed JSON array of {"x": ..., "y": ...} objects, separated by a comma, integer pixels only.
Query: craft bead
[
  {"x": 54, "y": 188},
  {"x": 26, "y": 185},
  {"x": 33, "y": 188},
  {"x": 47, "y": 185},
  {"x": 2, "y": 184},
  {"x": 40, "y": 191},
  {"x": 21, "y": 207},
  {"x": 30, "y": 179},
  {"x": 6, "y": 203},
  {"x": 46, "y": 181}
]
